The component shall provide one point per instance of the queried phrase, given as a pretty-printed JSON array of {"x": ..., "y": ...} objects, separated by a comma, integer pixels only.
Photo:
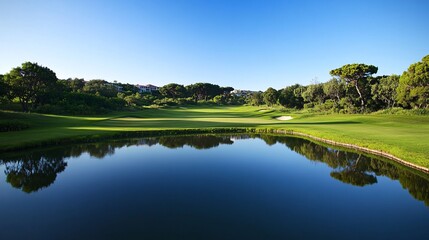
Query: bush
[
  {"x": 166, "y": 102},
  {"x": 308, "y": 105},
  {"x": 83, "y": 104},
  {"x": 173, "y": 101},
  {"x": 401, "y": 111},
  {"x": 347, "y": 106},
  {"x": 329, "y": 106}
]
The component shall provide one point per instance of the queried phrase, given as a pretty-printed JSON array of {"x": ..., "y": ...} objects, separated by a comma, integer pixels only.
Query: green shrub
[
  {"x": 308, "y": 105},
  {"x": 401, "y": 111},
  {"x": 329, "y": 106},
  {"x": 83, "y": 104}
]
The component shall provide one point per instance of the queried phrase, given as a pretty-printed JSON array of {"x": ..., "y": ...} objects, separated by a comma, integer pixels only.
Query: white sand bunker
[{"x": 284, "y": 118}]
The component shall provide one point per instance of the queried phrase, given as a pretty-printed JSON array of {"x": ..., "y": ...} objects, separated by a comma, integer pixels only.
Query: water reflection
[
  {"x": 38, "y": 169},
  {"x": 348, "y": 167},
  {"x": 33, "y": 171},
  {"x": 355, "y": 168},
  {"x": 198, "y": 142}
]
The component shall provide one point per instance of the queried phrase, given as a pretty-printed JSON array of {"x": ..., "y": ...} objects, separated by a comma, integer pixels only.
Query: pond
[{"x": 209, "y": 187}]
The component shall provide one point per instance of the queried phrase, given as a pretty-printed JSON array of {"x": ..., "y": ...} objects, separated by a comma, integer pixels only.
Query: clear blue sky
[{"x": 244, "y": 44}]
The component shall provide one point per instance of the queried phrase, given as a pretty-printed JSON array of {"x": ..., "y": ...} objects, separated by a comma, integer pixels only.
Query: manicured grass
[{"x": 406, "y": 137}]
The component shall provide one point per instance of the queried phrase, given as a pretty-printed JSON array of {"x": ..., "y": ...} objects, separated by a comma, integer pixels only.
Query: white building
[
  {"x": 147, "y": 88},
  {"x": 240, "y": 93}
]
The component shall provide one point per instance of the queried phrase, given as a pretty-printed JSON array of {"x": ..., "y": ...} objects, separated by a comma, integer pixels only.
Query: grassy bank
[{"x": 406, "y": 137}]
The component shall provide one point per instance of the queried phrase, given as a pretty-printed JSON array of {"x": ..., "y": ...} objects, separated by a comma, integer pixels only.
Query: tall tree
[
  {"x": 255, "y": 99},
  {"x": 173, "y": 90},
  {"x": 413, "y": 89},
  {"x": 314, "y": 93},
  {"x": 196, "y": 91},
  {"x": 226, "y": 91},
  {"x": 270, "y": 96},
  {"x": 385, "y": 90},
  {"x": 334, "y": 89},
  {"x": 203, "y": 91},
  {"x": 355, "y": 75},
  {"x": 290, "y": 96},
  {"x": 29, "y": 82}
]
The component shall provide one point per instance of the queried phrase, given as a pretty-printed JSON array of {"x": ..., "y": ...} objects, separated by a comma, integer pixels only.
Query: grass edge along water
[{"x": 403, "y": 136}]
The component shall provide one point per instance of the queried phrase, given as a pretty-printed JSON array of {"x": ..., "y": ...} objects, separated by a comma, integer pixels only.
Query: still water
[{"x": 209, "y": 187}]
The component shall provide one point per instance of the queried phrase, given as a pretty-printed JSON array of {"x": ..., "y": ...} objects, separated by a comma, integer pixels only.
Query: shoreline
[
  {"x": 172, "y": 132},
  {"x": 356, "y": 147}
]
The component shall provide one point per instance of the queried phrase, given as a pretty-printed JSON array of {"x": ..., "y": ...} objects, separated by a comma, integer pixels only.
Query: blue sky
[{"x": 240, "y": 43}]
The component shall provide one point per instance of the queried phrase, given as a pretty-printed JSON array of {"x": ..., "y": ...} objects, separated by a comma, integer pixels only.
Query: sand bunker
[{"x": 284, "y": 118}]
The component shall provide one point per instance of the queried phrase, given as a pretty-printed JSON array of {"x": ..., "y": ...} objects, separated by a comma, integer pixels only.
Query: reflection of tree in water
[
  {"x": 349, "y": 167},
  {"x": 352, "y": 168},
  {"x": 198, "y": 142},
  {"x": 38, "y": 169},
  {"x": 33, "y": 171},
  {"x": 355, "y": 168},
  {"x": 269, "y": 139},
  {"x": 354, "y": 177},
  {"x": 100, "y": 150}
]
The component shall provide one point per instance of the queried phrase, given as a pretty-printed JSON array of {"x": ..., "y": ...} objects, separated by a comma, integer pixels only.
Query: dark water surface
[{"x": 209, "y": 187}]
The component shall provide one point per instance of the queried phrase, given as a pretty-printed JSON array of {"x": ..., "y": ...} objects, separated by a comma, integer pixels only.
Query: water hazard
[{"x": 209, "y": 187}]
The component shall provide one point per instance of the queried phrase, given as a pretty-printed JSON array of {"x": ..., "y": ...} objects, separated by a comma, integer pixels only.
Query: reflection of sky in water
[{"x": 248, "y": 189}]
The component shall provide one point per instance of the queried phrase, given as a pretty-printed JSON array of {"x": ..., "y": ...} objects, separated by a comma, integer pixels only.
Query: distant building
[
  {"x": 240, "y": 93},
  {"x": 147, "y": 88},
  {"x": 116, "y": 86}
]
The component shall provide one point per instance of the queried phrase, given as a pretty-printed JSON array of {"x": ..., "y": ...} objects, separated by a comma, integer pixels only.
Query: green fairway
[{"x": 406, "y": 137}]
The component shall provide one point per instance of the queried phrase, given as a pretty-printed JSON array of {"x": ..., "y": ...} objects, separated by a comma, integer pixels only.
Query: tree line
[
  {"x": 36, "y": 88},
  {"x": 352, "y": 89}
]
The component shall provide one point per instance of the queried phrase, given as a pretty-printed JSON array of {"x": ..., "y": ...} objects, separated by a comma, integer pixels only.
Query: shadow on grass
[
  {"x": 213, "y": 112},
  {"x": 188, "y": 115},
  {"x": 174, "y": 123},
  {"x": 178, "y": 123},
  {"x": 324, "y": 123}
]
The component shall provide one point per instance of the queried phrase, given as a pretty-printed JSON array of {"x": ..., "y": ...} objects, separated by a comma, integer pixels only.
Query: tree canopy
[
  {"x": 204, "y": 91},
  {"x": 29, "y": 82},
  {"x": 314, "y": 93},
  {"x": 355, "y": 75},
  {"x": 290, "y": 96},
  {"x": 173, "y": 90},
  {"x": 270, "y": 96},
  {"x": 100, "y": 87},
  {"x": 413, "y": 89},
  {"x": 334, "y": 89},
  {"x": 73, "y": 85},
  {"x": 385, "y": 90}
]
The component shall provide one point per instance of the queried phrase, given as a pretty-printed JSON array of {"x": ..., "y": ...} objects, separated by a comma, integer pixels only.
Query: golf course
[{"x": 403, "y": 136}]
